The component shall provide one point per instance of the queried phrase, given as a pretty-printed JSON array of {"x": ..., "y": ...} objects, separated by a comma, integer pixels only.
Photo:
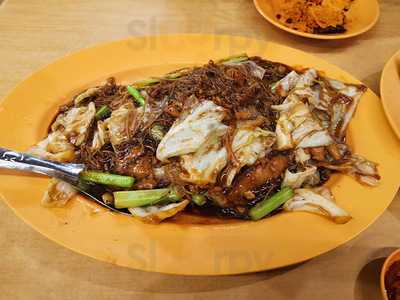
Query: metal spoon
[{"x": 13, "y": 160}]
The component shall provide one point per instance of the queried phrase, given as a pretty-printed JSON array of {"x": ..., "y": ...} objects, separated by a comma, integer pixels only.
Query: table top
[{"x": 33, "y": 33}]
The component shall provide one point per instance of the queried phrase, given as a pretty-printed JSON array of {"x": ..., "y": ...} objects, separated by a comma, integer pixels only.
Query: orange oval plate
[
  {"x": 390, "y": 89},
  {"x": 229, "y": 248},
  {"x": 361, "y": 17}
]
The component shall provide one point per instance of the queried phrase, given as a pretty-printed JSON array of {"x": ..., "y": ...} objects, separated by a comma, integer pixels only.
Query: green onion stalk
[
  {"x": 102, "y": 112},
  {"x": 268, "y": 205},
  {"x": 107, "y": 179},
  {"x": 138, "y": 198},
  {"x": 136, "y": 95},
  {"x": 199, "y": 199}
]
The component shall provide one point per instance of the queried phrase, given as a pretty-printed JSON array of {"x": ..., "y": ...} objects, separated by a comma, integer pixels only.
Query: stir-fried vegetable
[
  {"x": 54, "y": 147},
  {"x": 108, "y": 179},
  {"x": 101, "y": 136},
  {"x": 157, "y": 132},
  {"x": 86, "y": 94},
  {"x": 157, "y": 213},
  {"x": 146, "y": 82},
  {"x": 319, "y": 201},
  {"x": 187, "y": 135},
  {"x": 122, "y": 122},
  {"x": 363, "y": 170},
  {"x": 139, "y": 198},
  {"x": 234, "y": 59},
  {"x": 173, "y": 195},
  {"x": 296, "y": 180},
  {"x": 103, "y": 112},
  {"x": 108, "y": 198},
  {"x": 199, "y": 199},
  {"x": 136, "y": 95},
  {"x": 268, "y": 205},
  {"x": 249, "y": 144},
  {"x": 177, "y": 74},
  {"x": 58, "y": 193},
  {"x": 208, "y": 130},
  {"x": 75, "y": 122}
]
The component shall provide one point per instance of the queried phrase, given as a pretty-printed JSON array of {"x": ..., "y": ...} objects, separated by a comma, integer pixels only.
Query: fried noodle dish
[
  {"x": 241, "y": 137},
  {"x": 313, "y": 16}
]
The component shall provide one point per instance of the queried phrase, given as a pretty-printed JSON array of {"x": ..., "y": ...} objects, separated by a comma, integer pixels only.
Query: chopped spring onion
[
  {"x": 103, "y": 112},
  {"x": 157, "y": 132},
  {"x": 108, "y": 179},
  {"x": 268, "y": 205},
  {"x": 177, "y": 74},
  {"x": 146, "y": 82},
  {"x": 199, "y": 199},
  {"x": 136, "y": 94},
  {"x": 173, "y": 195},
  {"x": 108, "y": 198},
  {"x": 234, "y": 59},
  {"x": 128, "y": 199}
]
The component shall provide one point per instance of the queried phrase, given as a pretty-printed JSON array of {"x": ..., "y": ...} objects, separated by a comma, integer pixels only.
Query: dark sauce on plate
[{"x": 392, "y": 281}]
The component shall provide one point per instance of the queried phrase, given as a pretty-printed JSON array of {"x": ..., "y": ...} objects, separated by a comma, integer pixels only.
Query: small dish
[
  {"x": 390, "y": 87},
  {"x": 361, "y": 17},
  {"x": 395, "y": 256}
]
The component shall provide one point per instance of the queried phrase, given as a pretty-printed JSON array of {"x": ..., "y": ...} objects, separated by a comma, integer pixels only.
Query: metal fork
[{"x": 13, "y": 160}]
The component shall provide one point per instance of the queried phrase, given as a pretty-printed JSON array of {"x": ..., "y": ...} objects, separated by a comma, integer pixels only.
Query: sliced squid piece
[
  {"x": 296, "y": 180},
  {"x": 100, "y": 136},
  {"x": 157, "y": 213},
  {"x": 249, "y": 144},
  {"x": 319, "y": 201},
  {"x": 75, "y": 122},
  {"x": 122, "y": 123},
  {"x": 58, "y": 193},
  {"x": 192, "y": 131},
  {"x": 54, "y": 147},
  {"x": 363, "y": 170}
]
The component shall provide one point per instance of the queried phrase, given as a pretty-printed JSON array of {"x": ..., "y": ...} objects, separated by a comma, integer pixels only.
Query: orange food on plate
[{"x": 313, "y": 16}]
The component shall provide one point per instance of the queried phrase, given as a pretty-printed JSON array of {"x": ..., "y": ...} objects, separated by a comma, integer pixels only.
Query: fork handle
[{"x": 14, "y": 160}]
